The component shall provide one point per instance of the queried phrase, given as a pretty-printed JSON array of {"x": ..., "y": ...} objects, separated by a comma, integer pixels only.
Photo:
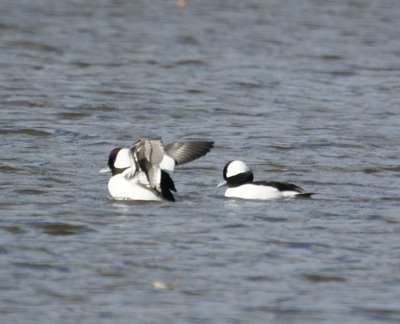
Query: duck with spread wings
[{"x": 142, "y": 171}]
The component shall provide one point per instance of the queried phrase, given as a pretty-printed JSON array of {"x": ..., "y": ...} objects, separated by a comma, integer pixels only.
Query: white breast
[{"x": 121, "y": 188}]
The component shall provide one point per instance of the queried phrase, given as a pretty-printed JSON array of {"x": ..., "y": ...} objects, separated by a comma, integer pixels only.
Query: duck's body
[
  {"x": 140, "y": 172},
  {"x": 239, "y": 181},
  {"x": 121, "y": 188},
  {"x": 260, "y": 191}
]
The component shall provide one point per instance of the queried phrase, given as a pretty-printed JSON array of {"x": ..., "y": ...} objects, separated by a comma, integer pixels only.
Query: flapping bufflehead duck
[
  {"x": 239, "y": 180},
  {"x": 141, "y": 171}
]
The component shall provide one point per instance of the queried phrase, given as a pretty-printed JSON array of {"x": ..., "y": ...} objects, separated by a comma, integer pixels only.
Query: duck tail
[
  {"x": 167, "y": 185},
  {"x": 305, "y": 195}
]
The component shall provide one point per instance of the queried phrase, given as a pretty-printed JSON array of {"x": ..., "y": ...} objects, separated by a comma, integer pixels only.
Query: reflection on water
[{"x": 305, "y": 92}]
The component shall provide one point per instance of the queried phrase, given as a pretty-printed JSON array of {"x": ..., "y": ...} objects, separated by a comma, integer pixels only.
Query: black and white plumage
[
  {"x": 141, "y": 171},
  {"x": 239, "y": 181}
]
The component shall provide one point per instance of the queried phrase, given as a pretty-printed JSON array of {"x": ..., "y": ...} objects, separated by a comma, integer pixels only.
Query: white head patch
[
  {"x": 236, "y": 167},
  {"x": 122, "y": 161}
]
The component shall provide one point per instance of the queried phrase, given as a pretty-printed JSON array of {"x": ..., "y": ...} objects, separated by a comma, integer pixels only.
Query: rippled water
[{"x": 303, "y": 91}]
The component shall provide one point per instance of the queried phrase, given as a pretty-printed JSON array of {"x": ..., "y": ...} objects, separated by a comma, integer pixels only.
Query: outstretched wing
[
  {"x": 147, "y": 155},
  {"x": 184, "y": 152}
]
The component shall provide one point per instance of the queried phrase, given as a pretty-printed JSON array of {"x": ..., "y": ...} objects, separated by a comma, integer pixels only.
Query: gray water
[{"x": 303, "y": 91}]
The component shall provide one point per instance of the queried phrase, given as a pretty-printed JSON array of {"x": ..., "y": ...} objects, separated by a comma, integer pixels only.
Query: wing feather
[
  {"x": 147, "y": 155},
  {"x": 184, "y": 152}
]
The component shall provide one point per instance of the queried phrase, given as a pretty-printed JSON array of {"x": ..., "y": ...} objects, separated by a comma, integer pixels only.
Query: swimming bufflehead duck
[
  {"x": 239, "y": 180},
  {"x": 140, "y": 172}
]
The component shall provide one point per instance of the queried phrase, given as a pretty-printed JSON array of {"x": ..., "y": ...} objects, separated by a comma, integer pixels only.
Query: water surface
[{"x": 303, "y": 91}]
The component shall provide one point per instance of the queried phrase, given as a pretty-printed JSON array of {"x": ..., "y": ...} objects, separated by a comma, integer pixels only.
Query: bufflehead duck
[
  {"x": 141, "y": 171},
  {"x": 239, "y": 180}
]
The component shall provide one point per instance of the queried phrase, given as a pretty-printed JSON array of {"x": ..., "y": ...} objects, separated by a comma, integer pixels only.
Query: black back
[
  {"x": 281, "y": 186},
  {"x": 167, "y": 184}
]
